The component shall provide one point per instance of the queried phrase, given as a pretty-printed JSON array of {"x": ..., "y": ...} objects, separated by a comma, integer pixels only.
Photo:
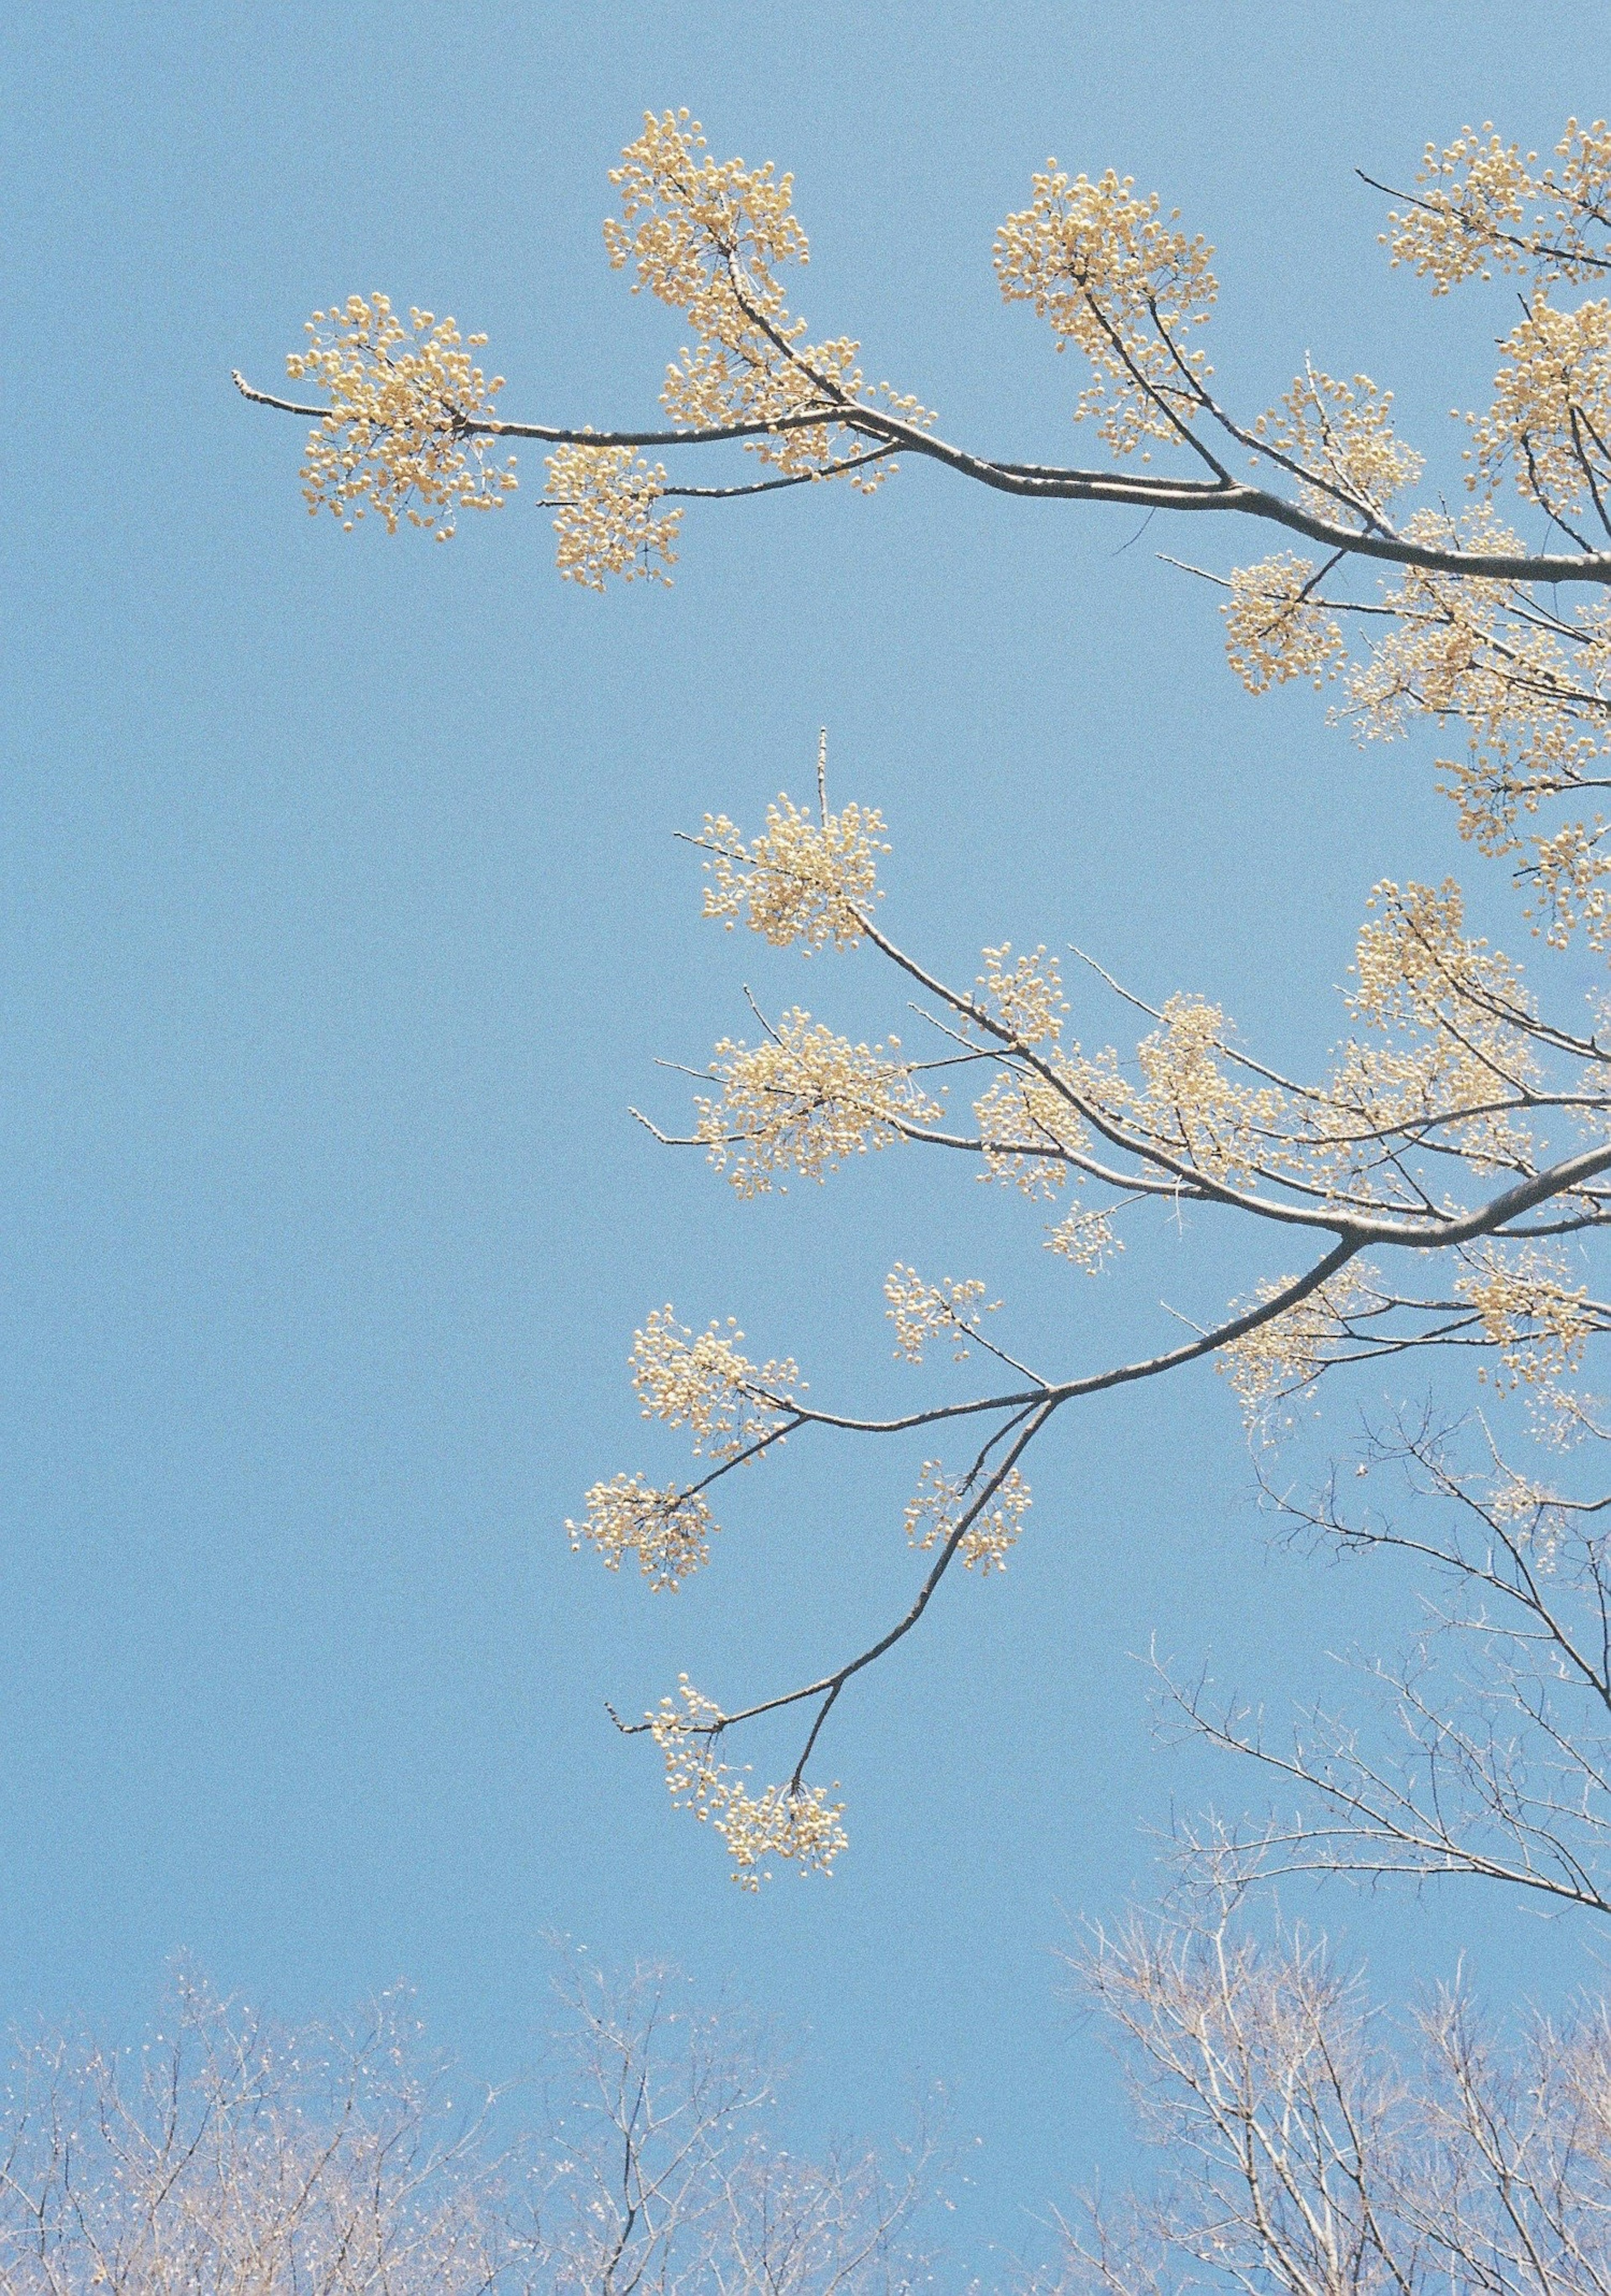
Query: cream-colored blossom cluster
[
  {"x": 1481, "y": 205},
  {"x": 709, "y": 237},
  {"x": 1116, "y": 278},
  {"x": 1533, "y": 694},
  {"x": 1274, "y": 628},
  {"x": 1446, "y": 1039},
  {"x": 1548, "y": 430},
  {"x": 1457, "y": 1011},
  {"x": 1341, "y": 433},
  {"x": 401, "y": 436},
  {"x": 1191, "y": 1093},
  {"x": 1087, "y": 1238},
  {"x": 689, "y": 217},
  {"x": 1191, "y": 1102},
  {"x": 705, "y": 1383},
  {"x": 1416, "y": 967},
  {"x": 610, "y": 521},
  {"x": 1442, "y": 633},
  {"x": 1567, "y": 875},
  {"x": 1285, "y": 1356},
  {"x": 668, "y": 1531},
  {"x": 1529, "y": 687},
  {"x": 1537, "y": 1320},
  {"x": 1532, "y": 1318},
  {"x": 1444, "y": 646},
  {"x": 792, "y": 1823},
  {"x": 940, "y": 1502},
  {"x": 803, "y": 1100},
  {"x": 1026, "y": 997},
  {"x": 947, "y": 1310},
  {"x": 806, "y": 881},
  {"x": 1485, "y": 654},
  {"x": 1029, "y": 1127},
  {"x": 1181, "y": 1096}
]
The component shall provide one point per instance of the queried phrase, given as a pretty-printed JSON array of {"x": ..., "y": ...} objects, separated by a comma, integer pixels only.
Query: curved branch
[
  {"x": 1049, "y": 482},
  {"x": 1035, "y": 1411}
]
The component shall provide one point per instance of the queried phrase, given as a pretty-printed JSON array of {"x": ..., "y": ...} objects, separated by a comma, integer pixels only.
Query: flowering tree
[{"x": 1434, "y": 1183}]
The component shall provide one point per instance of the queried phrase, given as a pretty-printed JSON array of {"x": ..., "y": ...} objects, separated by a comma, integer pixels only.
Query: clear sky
[{"x": 340, "y": 921}]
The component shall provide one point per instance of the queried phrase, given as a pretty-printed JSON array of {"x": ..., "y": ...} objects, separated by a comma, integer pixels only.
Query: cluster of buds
[
  {"x": 407, "y": 432},
  {"x": 794, "y": 1822}
]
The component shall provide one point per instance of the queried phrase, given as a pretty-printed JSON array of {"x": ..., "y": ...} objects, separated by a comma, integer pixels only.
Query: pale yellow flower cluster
[
  {"x": 1478, "y": 651},
  {"x": 1181, "y": 1087},
  {"x": 608, "y": 522},
  {"x": 1417, "y": 967},
  {"x": 668, "y": 1531},
  {"x": 1538, "y": 1322},
  {"x": 1115, "y": 277},
  {"x": 940, "y": 1501},
  {"x": 687, "y": 217},
  {"x": 708, "y": 238},
  {"x": 1086, "y": 1238},
  {"x": 1189, "y": 1102},
  {"x": 1341, "y": 433},
  {"x": 1550, "y": 427},
  {"x": 1481, "y": 207},
  {"x": 398, "y": 439},
  {"x": 1274, "y": 628},
  {"x": 1022, "y": 1113},
  {"x": 1454, "y": 1017},
  {"x": 1568, "y": 873},
  {"x": 921, "y": 1312},
  {"x": 1028, "y": 998},
  {"x": 806, "y": 881},
  {"x": 1285, "y": 1357},
  {"x": 794, "y": 1822},
  {"x": 706, "y": 1384},
  {"x": 803, "y": 1100},
  {"x": 1535, "y": 1321},
  {"x": 1531, "y": 693}
]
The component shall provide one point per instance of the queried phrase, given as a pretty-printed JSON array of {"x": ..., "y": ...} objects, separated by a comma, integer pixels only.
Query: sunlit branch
[
  {"x": 922, "y": 1137},
  {"x": 1534, "y": 249},
  {"x": 828, "y": 1687},
  {"x": 1035, "y": 1410},
  {"x": 1433, "y": 1233},
  {"x": 816, "y": 477},
  {"x": 1052, "y": 483}
]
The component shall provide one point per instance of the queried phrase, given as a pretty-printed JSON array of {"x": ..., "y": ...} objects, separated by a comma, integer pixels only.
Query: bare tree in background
[
  {"x": 1483, "y": 1750},
  {"x": 1306, "y": 2141},
  {"x": 226, "y": 2155},
  {"x": 661, "y": 2172},
  {"x": 229, "y": 2158},
  {"x": 1309, "y": 2148}
]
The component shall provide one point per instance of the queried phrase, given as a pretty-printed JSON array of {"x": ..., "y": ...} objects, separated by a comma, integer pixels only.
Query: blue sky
[{"x": 340, "y": 921}]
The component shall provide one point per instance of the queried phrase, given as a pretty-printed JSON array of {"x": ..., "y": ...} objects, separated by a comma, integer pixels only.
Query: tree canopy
[{"x": 1437, "y": 1186}]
